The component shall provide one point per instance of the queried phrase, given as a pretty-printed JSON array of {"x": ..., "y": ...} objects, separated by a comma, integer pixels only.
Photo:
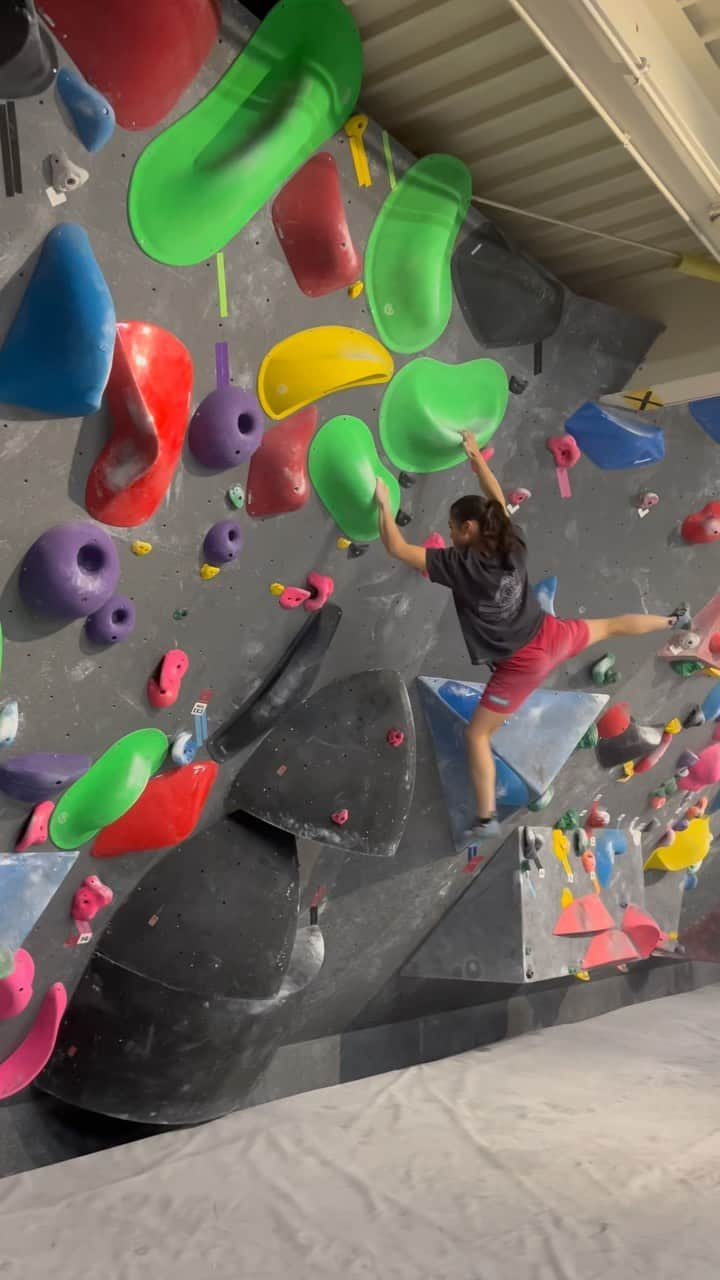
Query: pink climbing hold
[
  {"x": 704, "y": 771},
  {"x": 644, "y": 932},
  {"x": 340, "y": 817},
  {"x": 321, "y": 589},
  {"x": 585, "y": 915},
  {"x": 433, "y": 540},
  {"x": 293, "y": 597},
  {"x": 715, "y": 642},
  {"x": 28, "y": 1060},
  {"x": 697, "y": 810},
  {"x": 163, "y": 687},
  {"x": 702, "y": 526},
  {"x": 35, "y": 829},
  {"x": 90, "y": 897},
  {"x": 647, "y": 762},
  {"x": 395, "y": 737},
  {"x": 17, "y": 988},
  {"x": 611, "y": 947},
  {"x": 564, "y": 450},
  {"x": 597, "y": 817}
]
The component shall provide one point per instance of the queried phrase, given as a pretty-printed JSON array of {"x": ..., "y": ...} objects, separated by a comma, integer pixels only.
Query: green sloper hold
[
  {"x": 429, "y": 403},
  {"x": 198, "y": 183},
  {"x": 108, "y": 789},
  {"x": 407, "y": 261},
  {"x": 344, "y": 466}
]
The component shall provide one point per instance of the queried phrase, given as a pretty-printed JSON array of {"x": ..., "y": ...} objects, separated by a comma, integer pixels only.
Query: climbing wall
[{"x": 159, "y": 321}]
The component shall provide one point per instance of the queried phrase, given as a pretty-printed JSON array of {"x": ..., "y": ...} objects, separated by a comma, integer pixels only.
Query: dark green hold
[
  {"x": 590, "y": 738},
  {"x": 179, "y": 614},
  {"x": 687, "y": 667},
  {"x": 568, "y": 820}
]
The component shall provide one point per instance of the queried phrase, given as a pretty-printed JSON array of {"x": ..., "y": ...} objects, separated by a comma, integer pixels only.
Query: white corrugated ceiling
[{"x": 469, "y": 77}]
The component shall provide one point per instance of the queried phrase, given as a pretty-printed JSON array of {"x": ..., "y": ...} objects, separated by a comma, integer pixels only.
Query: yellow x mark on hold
[{"x": 355, "y": 128}]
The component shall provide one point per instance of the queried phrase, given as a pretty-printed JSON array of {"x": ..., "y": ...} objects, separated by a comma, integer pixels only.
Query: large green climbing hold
[
  {"x": 407, "y": 262},
  {"x": 428, "y": 404},
  {"x": 108, "y": 789},
  {"x": 344, "y": 466},
  {"x": 201, "y": 180}
]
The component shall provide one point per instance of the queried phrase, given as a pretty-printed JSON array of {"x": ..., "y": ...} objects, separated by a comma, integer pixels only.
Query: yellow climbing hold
[
  {"x": 315, "y": 363},
  {"x": 566, "y": 898},
  {"x": 355, "y": 128},
  {"x": 208, "y": 571},
  {"x": 561, "y": 848},
  {"x": 139, "y": 548},
  {"x": 276, "y": 588},
  {"x": 628, "y": 771},
  {"x": 356, "y": 289},
  {"x": 582, "y": 975},
  {"x": 713, "y": 672},
  {"x": 342, "y": 544},
  {"x": 673, "y": 726},
  {"x": 689, "y": 846}
]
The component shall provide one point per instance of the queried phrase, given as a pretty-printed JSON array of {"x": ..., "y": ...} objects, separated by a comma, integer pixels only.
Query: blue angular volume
[
  {"x": 91, "y": 113},
  {"x": 609, "y": 843},
  {"x": 539, "y": 738},
  {"x": 447, "y": 727},
  {"x": 27, "y": 883},
  {"x": 614, "y": 440},
  {"x": 57, "y": 355},
  {"x": 545, "y": 592},
  {"x": 707, "y": 415}
]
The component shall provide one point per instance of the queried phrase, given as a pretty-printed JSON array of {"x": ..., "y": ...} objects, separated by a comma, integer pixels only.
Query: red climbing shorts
[{"x": 517, "y": 677}]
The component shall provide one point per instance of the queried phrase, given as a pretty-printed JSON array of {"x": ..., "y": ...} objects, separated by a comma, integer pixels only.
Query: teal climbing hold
[
  {"x": 407, "y": 262},
  {"x": 614, "y": 440},
  {"x": 92, "y": 116},
  {"x": 57, "y": 355},
  {"x": 27, "y": 883}
]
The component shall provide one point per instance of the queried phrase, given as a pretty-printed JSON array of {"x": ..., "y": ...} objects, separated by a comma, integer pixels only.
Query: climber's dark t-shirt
[{"x": 496, "y": 608}]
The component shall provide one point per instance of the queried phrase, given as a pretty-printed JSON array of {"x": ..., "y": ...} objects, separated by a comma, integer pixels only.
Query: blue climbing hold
[
  {"x": 707, "y": 415},
  {"x": 711, "y": 706},
  {"x": 614, "y": 440},
  {"x": 27, "y": 883},
  {"x": 545, "y": 592},
  {"x": 91, "y": 113},
  {"x": 57, "y": 355},
  {"x": 536, "y": 741},
  {"x": 610, "y": 842},
  {"x": 447, "y": 727}
]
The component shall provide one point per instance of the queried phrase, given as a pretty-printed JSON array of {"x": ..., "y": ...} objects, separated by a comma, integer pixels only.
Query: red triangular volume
[
  {"x": 584, "y": 915},
  {"x": 611, "y": 947},
  {"x": 644, "y": 932}
]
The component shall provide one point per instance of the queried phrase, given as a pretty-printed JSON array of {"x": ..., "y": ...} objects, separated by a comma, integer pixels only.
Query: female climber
[{"x": 500, "y": 617}]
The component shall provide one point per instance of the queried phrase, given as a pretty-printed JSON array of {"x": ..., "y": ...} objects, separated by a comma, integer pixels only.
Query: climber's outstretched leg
[{"x": 634, "y": 624}]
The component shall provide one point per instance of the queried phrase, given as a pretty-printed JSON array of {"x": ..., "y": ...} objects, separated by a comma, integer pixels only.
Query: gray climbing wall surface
[{"x": 77, "y": 698}]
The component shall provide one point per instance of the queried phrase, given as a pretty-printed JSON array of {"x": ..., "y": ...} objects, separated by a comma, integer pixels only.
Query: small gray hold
[
  {"x": 402, "y": 518},
  {"x": 357, "y": 549},
  {"x": 406, "y": 481},
  {"x": 516, "y": 386},
  {"x": 66, "y": 175}
]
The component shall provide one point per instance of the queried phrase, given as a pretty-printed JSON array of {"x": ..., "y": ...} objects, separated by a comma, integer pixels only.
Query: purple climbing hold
[
  {"x": 113, "y": 621},
  {"x": 226, "y": 428},
  {"x": 70, "y": 571},
  {"x": 223, "y": 542},
  {"x": 40, "y": 775}
]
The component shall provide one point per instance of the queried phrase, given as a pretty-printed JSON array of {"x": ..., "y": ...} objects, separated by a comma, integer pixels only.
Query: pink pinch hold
[
  {"x": 21, "y": 1067},
  {"x": 91, "y": 896},
  {"x": 395, "y": 737},
  {"x": 340, "y": 818},
  {"x": 17, "y": 988},
  {"x": 35, "y": 830},
  {"x": 564, "y": 450},
  {"x": 293, "y": 597},
  {"x": 163, "y": 687},
  {"x": 704, "y": 771},
  {"x": 321, "y": 589}
]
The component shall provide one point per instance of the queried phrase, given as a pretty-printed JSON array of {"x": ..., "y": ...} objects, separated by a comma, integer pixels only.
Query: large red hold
[
  {"x": 142, "y": 56},
  {"x": 166, "y": 813},
  {"x": 278, "y": 479},
  {"x": 614, "y": 721},
  {"x": 704, "y": 525},
  {"x": 148, "y": 395},
  {"x": 310, "y": 223}
]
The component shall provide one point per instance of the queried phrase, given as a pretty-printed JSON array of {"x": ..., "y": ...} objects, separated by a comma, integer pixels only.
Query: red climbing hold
[
  {"x": 310, "y": 223},
  {"x": 644, "y": 932},
  {"x": 614, "y": 721},
  {"x": 278, "y": 479},
  {"x": 715, "y": 642},
  {"x": 395, "y": 737},
  {"x": 148, "y": 394},
  {"x": 611, "y": 947},
  {"x": 585, "y": 915},
  {"x": 16, "y": 988},
  {"x": 704, "y": 525},
  {"x": 166, "y": 813},
  {"x": 340, "y": 817},
  {"x": 163, "y": 687},
  {"x": 28, "y": 1060},
  {"x": 141, "y": 56}
]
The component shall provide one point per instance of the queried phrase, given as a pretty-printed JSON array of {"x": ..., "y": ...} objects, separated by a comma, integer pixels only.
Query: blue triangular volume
[
  {"x": 92, "y": 116},
  {"x": 57, "y": 355},
  {"x": 545, "y": 591},
  {"x": 448, "y": 734},
  {"x": 538, "y": 739},
  {"x": 614, "y": 440},
  {"x": 27, "y": 883},
  {"x": 707, "y": 415}
]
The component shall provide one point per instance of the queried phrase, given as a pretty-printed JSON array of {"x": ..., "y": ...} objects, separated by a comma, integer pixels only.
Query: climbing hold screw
[
  {"x": 340, "y": 818},
  {"x": 342, "y": 544},
  {"x": 356, "y": 289},
  {"x": 236, "y": 496},
  {"x": 395, "y": 737},
  {"x": 208, "y": 571},
  {"x": 140, "y": 548}
]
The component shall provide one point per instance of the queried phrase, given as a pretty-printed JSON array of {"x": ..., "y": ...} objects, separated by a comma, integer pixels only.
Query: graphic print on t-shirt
[{"x": 509, "y": 595}]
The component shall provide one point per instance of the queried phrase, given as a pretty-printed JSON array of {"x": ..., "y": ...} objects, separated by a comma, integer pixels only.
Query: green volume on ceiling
[
  {"x": 201, "y": 180},
  {"x": 108, "y": 789},
  {"x": 344, "y": 466},
  {"x": 407, "y": 262},
  {"x": 429, "y": 403}
]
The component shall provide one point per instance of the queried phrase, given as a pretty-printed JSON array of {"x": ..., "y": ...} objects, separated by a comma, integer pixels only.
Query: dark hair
[{"x": 497, "y": 535}]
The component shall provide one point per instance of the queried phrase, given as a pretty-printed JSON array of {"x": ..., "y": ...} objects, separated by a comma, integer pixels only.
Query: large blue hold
[
  {"x": 538, "y": 739},
  {"x": 27, "y": 883},
  {"x": 90, "y": 112},
  {"x": 57, "y": 355},
  {"x": 448, "y": 733},
  {"x": 614, "y": 440},
  {"x": 545, "y": 591},
  {"x": 707, "y": 415}
]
